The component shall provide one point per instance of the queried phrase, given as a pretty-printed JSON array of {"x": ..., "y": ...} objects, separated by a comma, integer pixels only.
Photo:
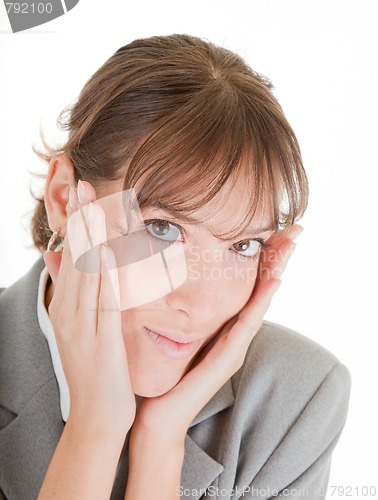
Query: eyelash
[
  {"x": 263, "y": 244},
  {"x": 147, "y": 222}
]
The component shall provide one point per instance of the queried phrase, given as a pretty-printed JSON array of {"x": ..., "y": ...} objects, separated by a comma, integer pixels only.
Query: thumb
[{"x": 53, "y": 261}]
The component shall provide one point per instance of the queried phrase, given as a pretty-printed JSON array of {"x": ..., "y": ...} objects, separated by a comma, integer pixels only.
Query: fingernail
[
  {"x": 81, "y": 192},
  {"x": 72, "y": 199},
  {"x": 297, "y": 232},
  {"x": 91, "y": 215}
]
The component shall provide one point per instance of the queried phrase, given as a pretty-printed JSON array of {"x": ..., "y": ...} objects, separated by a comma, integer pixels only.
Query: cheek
[{"x": 132, "y": 330}]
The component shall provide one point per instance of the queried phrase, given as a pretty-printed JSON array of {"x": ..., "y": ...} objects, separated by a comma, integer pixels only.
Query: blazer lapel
[
  {"x": 28, "y": 444},
  {"x": 28, "y": 392},
  {"x": 200, "y": 470}
]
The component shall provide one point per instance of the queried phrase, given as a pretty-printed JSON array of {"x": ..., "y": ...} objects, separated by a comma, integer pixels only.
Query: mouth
[{"x": 170, "y": 347}]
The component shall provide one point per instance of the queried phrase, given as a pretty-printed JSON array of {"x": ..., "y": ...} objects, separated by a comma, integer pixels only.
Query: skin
[
  {"x": 194, "y": 311},
  {"x": 100, "y": 345}
]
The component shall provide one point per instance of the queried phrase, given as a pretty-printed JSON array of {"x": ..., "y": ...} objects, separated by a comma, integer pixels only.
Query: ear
[{"x": 60, "y": 178}]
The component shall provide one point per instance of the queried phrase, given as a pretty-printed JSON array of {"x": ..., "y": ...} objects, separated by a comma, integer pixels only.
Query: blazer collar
[
  {"x": 28, "y": 442},
  {"x": 222, "y": 400}
]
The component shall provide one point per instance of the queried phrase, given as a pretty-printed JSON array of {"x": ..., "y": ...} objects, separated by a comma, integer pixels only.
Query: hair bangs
[
  {"x": 191, "y": 156},
  {"x": 209, "y": 144}
]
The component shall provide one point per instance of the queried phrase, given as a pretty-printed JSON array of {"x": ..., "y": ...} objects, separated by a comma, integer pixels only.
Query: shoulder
[
  {"x": 285, "y": 374},
  {"x": 291, "y": 403},
  {"x": 278, "y": 352},
  {"x": 18, "y": 310},
  {"x": 24, "y": 290},
  {"x": 19, "y": 327}
]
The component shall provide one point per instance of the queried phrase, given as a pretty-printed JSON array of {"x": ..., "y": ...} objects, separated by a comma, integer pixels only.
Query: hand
[
  {"x": 87, "y": 325},
  {"x": 172, "y": 413}
]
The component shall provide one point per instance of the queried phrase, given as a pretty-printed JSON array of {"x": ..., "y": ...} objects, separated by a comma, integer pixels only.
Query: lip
[{"x": 171, "y": 347}]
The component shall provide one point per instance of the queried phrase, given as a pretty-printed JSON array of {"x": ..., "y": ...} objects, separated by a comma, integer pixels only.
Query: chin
[
  {"x": 152, "y": 385},
  {"x": 152, "y": 390}
]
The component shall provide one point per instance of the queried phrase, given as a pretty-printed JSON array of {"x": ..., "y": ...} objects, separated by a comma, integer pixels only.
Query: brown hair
[{"x": 184, "y": 116}]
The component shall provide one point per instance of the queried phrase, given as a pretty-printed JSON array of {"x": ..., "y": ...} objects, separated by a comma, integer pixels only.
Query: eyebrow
[
  {"x": 190, "y": 220},
  {"x": 244, "y": 232}
]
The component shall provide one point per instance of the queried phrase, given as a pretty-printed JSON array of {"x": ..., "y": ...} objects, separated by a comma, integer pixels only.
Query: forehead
[
  {"x": 230, "y": 208},
  {"x": 226, "y": 216}
]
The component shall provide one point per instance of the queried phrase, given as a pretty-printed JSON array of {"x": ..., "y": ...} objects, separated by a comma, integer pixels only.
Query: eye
[
  {"x": 163, "y": 230},
  {"x": 248, "y": 248}
]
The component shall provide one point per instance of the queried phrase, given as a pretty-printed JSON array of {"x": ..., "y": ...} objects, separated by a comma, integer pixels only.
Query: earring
[{"x": 52, "y": 246}]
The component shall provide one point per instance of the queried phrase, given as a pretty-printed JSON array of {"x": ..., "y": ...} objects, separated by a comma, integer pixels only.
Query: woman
[{"x": 175, "y": 199}]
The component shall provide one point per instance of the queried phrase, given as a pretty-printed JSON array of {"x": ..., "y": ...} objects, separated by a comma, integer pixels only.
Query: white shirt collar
[{"x": 48, "y": 332}]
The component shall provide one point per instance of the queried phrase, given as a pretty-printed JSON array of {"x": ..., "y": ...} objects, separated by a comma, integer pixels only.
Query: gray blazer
[{"x": 271, "y": 427}]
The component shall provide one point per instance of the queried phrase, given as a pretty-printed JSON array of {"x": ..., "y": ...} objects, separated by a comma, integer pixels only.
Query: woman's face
[{"x": 162, "y": 336}]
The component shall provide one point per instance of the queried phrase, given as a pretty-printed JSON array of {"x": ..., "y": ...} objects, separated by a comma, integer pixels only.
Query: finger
[
  {"x": 295, "y": 231},
  {"x": 251, "y": 316},
  {"x": 68, "y": 278},
  {"x": 291, "y": 233},
  {"x": 85, "y": 192},
  {"x": 82, "y": 265},
  {"x": 109, "y": 316},
  {"x": 53, "y": 261},
  {"x": 91, "y": 278},
  {"x": 231, "y": 343},
  {"x": 228, "y": 351},
  {"x": 269, "y": 280},
  {"x": 221, "y": 360},
  {"x": 66, "y": 263},
  {"x": 284, "y": 254},
  {"x": 274, "y": 259},
  {"x": 57, "y": 261}
]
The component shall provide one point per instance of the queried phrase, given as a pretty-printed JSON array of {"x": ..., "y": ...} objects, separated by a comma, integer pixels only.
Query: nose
[{"x": 199, "y": 293}]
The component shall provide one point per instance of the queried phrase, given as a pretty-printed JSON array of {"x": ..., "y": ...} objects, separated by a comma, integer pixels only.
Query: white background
[{"x": 322, "y": 59}]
